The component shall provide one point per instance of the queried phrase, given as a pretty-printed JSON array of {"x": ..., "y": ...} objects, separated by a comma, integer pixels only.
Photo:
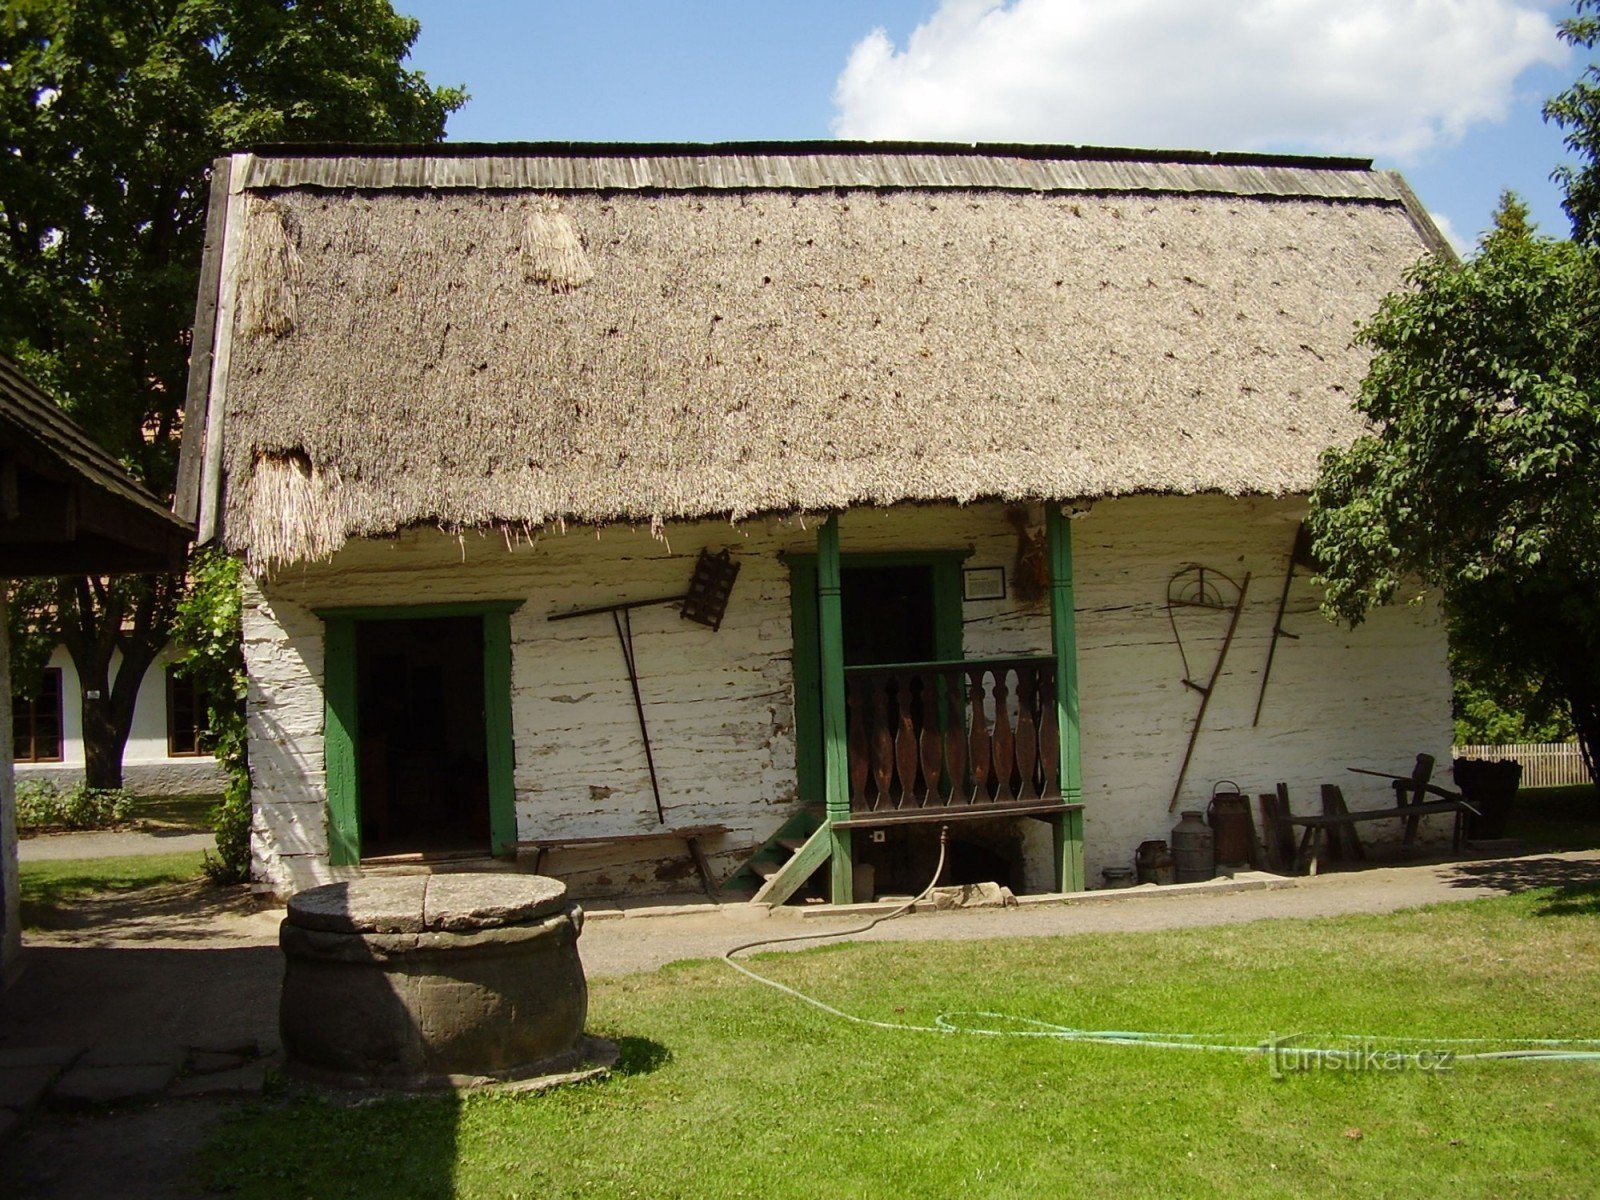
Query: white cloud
[
  {"x": 1383, "y": 77},
  {"x": 1457, "y": 242}
]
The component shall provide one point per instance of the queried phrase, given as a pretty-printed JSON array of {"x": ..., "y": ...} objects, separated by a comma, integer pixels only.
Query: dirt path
[
  {"x": 112, "y": 843},
  {"x": 192, "y": 964}
]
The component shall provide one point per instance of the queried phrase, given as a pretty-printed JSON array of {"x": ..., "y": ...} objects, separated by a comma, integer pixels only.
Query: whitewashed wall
[
  {"x": 147, "y": 767},
  {"x": 720, "y": 704}
]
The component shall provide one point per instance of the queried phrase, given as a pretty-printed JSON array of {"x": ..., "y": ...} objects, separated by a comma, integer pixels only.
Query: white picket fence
[{"x": 1544, "y": 764}]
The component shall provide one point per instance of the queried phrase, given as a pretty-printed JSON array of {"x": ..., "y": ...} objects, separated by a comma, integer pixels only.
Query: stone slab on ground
[
  {"x": 247, "y": 1080},
  {"x": 138, "y": 1053},
  {"x": 92, "y": 1086},
  {"x": 213, "y": 1062},
  {"x": 38, "y": 1056},
  {"x": 22, "y": 1087}
]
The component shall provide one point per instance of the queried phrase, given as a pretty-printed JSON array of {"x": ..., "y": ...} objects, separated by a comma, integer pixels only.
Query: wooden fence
[{"x": 1548, "y": 764}]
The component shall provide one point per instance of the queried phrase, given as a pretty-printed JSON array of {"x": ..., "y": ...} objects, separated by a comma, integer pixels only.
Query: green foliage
[
  {"x": 42, "y": 805},
  {"x": 1481, "y": 479},
  {"x": 111, "y": 114},
  {"x": 1577, "y": 111},
  {"x": 1483, "y": 720},
  {"x": 209, "y": 638}
]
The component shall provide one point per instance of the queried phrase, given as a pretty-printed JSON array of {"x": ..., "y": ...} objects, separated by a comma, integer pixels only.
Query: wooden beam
[
  {"x": 46, "y": 512},
  {"x": 1064, "y": 642},
  {"x": 798, "y": 869},
  {"x": 835, "y": 751}
]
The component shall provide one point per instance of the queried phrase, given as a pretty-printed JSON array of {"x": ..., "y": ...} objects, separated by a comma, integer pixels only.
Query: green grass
[
  {"x": 175, "y": 812},
  {"x": 49, "y": 884},
  {"x": 1562, "y": 818},
  {"x": 731, "y": 1089}
]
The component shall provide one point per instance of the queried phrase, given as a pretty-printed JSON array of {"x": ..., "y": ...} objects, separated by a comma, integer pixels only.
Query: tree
[
  {"x": 111, "y": 112},
  {"x": 1481, "y": 479},
  {"x": 1577, "y": 110}
]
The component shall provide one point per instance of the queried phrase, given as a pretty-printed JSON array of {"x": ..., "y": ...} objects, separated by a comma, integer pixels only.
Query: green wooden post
[
  {"x": 339, "y": 742},
  {"x": 835, "y": 751},
  {"x": 1064, "y": 641},
  {"x": 497, "y": 728}
]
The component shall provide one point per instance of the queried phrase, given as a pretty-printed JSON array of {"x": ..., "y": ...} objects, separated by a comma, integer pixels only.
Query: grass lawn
[
  {"x": 46, "y": 885},
  {"x": 731, "y": 1089},
  {"x": 1565, "y": 817},
  {"x": 175, "y": 812}
]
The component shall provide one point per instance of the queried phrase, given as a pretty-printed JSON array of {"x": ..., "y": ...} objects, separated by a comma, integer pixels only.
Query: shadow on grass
[
  {"x": 640, "y": 1056},
  {"x": 1574, "y": 884},
  {"x": 167, "y": 912}
]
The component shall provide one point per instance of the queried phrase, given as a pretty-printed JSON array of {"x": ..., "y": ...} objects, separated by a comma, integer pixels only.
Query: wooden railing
[{"x": 979, "y": 732}]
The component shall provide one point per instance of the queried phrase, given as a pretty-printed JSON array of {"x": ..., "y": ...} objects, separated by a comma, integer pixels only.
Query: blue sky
[{"x": 1447, "y": 91}]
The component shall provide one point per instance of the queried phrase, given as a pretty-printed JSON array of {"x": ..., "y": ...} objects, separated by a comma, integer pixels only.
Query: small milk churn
[
  {"x": 1118, "y": 877},
  {"x": 1193, "y": 848},
  {"x": 1155, "y": 864},
  {"x": 1229, "y": 817}
]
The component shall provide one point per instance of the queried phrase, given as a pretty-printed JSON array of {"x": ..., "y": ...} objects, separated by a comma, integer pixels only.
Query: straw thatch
[{"x": 483, "y": 357}]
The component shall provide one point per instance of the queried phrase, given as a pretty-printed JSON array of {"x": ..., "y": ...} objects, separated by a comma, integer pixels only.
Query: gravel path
[{"x": 115, "y": 843}]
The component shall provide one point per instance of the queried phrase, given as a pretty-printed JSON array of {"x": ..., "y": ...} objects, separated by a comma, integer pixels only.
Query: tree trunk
[{"x": 102, "y": 619}]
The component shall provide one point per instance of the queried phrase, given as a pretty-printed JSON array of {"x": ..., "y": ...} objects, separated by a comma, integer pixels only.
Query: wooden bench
[
  {"x": 1323, "y": 832},
  {"x": 690, "y": 835}
]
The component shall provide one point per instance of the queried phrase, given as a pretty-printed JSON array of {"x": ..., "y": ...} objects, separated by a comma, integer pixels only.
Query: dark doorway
[
  {"x": 422, "y": 749},
  {"x": 888, "y": 615}
]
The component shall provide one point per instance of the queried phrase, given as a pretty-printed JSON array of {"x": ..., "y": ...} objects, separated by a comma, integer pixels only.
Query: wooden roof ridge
[
  {"x": 809, "y": 166},
  {"x": 801, "y": 147}
]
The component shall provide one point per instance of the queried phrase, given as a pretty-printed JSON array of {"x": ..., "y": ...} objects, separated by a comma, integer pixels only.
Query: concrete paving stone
[
  {"x": 212, "y": 1062},
  {"x": 110, "y": 1085},
  {"x": 21, "y": 1087},
  {"x": 38, "y": 1056},
  {"x": 241, "y": 1047},
  {"x": 134, "y": 1054},
  {"x": 248, "y": 1080}
]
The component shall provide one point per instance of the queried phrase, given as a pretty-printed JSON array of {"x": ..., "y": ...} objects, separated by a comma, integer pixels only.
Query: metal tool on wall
[
  {"x": 1196, "y": 586},
  {"x": 1299, "y": 556},
  {"x": 704, "y": 603}
]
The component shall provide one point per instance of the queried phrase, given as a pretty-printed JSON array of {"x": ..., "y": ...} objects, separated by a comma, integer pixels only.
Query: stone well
[{"x": 433, "y": 981}]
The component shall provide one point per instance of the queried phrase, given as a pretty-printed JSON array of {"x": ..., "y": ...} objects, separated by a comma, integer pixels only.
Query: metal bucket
[
  {"x": 1229, "y": 817},
  {"x": 1193, "y": 848},
  {"x": 1118, "y": 877},
  {"x": 1154, "y": 863}
]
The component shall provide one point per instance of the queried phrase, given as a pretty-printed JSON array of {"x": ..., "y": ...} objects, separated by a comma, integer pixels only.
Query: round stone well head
[{"x": 426, "y": 981}]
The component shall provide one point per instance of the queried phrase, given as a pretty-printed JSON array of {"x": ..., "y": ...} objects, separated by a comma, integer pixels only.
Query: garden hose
[{"x": 980, "y": 1023}]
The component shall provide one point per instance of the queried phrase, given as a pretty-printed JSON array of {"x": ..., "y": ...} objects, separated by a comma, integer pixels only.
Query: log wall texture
[{"x": 720, "y": 704}]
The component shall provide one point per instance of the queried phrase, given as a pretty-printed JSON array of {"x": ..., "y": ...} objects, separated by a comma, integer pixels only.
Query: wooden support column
[
  {"x": 1064, "y": 641},
  {"x": 339, "y": 741},
  {"x": 835, "y": 751}
]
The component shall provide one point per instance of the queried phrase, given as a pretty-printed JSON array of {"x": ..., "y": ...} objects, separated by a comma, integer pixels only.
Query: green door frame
[
  {"x": 803, "y": 617},
  {"x": 821, "y": 766},
  {"x": 342, "y": 729}
]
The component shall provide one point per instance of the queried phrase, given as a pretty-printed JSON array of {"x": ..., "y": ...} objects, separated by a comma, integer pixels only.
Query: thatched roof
[
  {"x": 66, "y": 506},
  {"x": 519, "y": 335}
]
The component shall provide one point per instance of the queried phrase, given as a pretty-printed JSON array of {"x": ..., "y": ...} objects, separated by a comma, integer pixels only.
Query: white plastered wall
[
  {"x": 720, "y": 704},
  {"x": 147, "y": 767}
]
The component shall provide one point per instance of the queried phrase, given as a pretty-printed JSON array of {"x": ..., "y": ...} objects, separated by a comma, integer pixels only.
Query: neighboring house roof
[
  {"x": 66, "y": 506},
  {"x": 514, "y": 335}
]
